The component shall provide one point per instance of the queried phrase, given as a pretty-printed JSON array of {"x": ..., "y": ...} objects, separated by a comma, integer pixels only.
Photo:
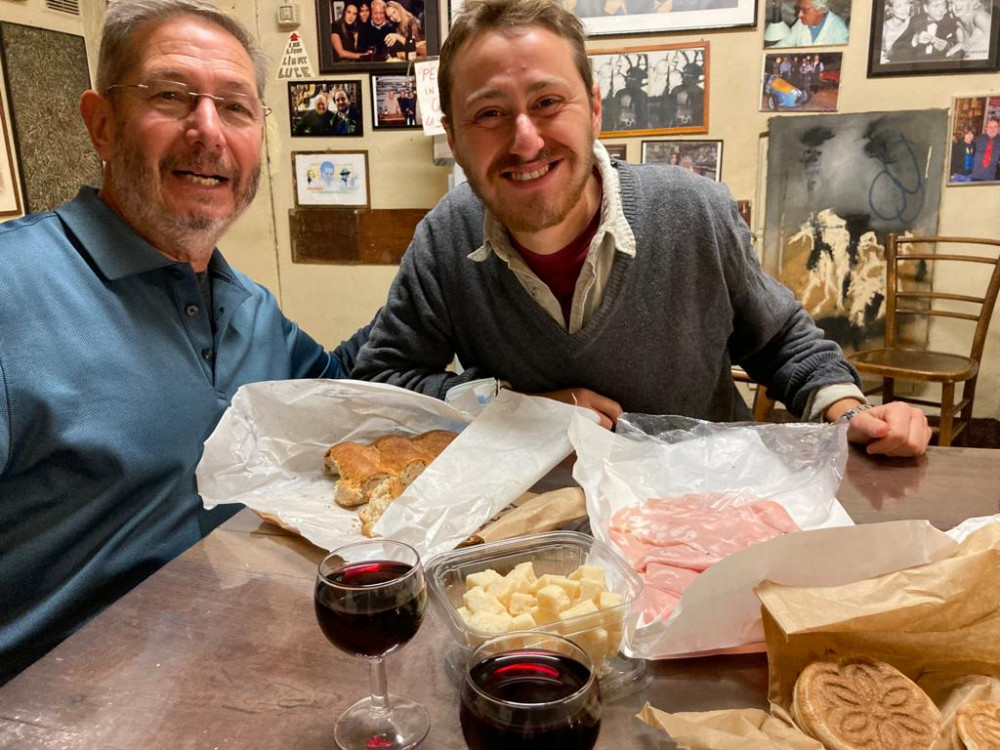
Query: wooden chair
[
  {"x": 763, "y": 405},
  {"x": 896, "y": 361}
]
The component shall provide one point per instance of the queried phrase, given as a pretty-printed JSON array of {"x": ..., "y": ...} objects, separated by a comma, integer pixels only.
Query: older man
[
  {"x": 816, "y": 25},
  {"x": 125, "y": 332},
  {"x": 986, "y": 158},
  {"x": 611, "y": 285}
]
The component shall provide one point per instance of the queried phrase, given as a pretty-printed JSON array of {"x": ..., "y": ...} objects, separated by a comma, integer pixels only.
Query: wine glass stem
[{"x": 380, "y": 690}]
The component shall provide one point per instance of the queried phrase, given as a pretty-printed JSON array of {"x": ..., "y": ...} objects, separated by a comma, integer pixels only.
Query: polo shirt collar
[
  {"x": 115, "y": 248},
  {"x": 613, "y": 221}
]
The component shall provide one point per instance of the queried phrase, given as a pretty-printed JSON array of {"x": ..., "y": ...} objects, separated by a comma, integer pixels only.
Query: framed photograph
[
  {"x": 394, "y": 103},
  {"x": 375, "y": 35},
  {"x": 331, "y": 178},
  {"x": 924, "y": 37},
  {"x": 790, "y": 24},
  {"x": 701, "y": 157},
  {"x": 653, "y": 90},
  {"x": 975, "y": 141},
  {"x": 624, "y": 17},
  {"x": 800, "y": 82},
  {"x": 10, "y": 191},
  {"x": 617, "y": 151},
  {"x": 325, "y": 108}
]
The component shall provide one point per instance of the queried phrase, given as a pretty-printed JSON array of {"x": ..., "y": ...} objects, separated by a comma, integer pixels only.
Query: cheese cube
[
  {"x": 609, "y": 599},
  {"x": 483, "y": 578},
  {"x": 543, "y": 616},
  {"x": 524, "y": 621},
  {"x": 491, "y": 622},
  {"x": 464, "y": 613},
  {"x": 520, "y": 603},
  {"x": 595, "y": 643},
  {"x": 552, "y": 598},
  {"x": 590, "y": 590},
  {"x": 525, "y": 570},
  {"x": 585, "y": 607},
  {"x": 502, "y": 590},
  {"x": 478, "y": 600},
  {"x": 589, "y": 573},
  {"x": 548, "y": 579}
]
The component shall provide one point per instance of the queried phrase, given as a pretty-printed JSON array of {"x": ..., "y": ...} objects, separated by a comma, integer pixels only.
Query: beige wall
[{"x": 332, "y": 301}]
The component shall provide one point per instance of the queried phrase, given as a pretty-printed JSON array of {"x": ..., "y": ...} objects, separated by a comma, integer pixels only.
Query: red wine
[
  {"x": 361, "y": 617},
  {"x": 526, "y": 678}
]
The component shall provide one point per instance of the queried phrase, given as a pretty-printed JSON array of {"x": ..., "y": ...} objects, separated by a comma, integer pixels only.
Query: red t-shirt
[{"x": 561, "y": 269}]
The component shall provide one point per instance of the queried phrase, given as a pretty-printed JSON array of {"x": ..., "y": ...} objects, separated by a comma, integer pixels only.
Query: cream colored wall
[{"x": 332, "y": 301}]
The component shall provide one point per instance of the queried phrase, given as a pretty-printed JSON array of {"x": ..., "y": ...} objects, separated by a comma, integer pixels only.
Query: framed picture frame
[
  {"x": 800, "y": 81},
  {"x": 617, "y": 151},
  {"x": 10, "y": 191},
  {"x": 331, "y": 178},
  {"x": 785, "y": 29},
  {"x": 701, "y": 157},
  {"x": 658, "y": 90},
  {"x": 629, "y": 17},
  {"x": 931, "y": 37},
  {"x": 330, "y": 109},
  {"x": 975, "y": 123},
  {"x": 394, "y": 102},
  {"x": 375, "y": 35}
]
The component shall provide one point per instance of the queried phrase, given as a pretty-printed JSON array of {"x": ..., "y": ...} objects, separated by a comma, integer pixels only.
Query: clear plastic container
[{"x": 555, "y": 552}]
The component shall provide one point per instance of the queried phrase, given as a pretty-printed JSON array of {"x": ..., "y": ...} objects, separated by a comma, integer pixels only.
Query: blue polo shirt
[{"x": 111, "y": 379}]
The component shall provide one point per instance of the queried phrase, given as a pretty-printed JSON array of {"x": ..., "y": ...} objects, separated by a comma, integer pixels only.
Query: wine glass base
[{"x": 400, "y": 727}]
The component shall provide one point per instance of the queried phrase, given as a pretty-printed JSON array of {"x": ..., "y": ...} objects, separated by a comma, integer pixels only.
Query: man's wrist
[
  {"x": 851, "y": 413},
  {"x": 838, "y": 409}
]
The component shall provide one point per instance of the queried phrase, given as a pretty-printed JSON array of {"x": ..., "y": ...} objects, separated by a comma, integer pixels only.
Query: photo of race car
[{"x": 800, "y": 82}]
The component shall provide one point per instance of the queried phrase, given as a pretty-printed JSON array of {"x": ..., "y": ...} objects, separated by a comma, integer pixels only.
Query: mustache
[
  {"x": 513, "y": 162},
  {"x": 207, "y": 163}
]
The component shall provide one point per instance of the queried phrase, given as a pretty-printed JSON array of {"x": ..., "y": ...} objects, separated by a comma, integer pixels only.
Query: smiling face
[
  {"x": 378, "y": 13},
  {"x": 523, "y": 128},
  {"x": 936, "y": 9},
  {"x": 901, "y": 9},
  {"x": 350, "y": 14},
  {"x": 342, "y": 101},
  {"x": 179, "y": 181},
  {"x": 366, "y": 12},
  {"x": 992, "y": 128}
]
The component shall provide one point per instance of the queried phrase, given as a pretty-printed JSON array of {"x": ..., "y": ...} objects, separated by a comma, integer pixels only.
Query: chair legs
[{"x": 947, "y": 413}]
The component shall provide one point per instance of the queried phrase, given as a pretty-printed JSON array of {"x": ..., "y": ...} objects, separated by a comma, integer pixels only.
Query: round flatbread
[
  {"x": 978, "y": 725},
  {"x": 858, "y": 703}
]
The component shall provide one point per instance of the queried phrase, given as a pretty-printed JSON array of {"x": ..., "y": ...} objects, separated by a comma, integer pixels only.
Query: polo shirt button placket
[{"x": 206, "y": 353}]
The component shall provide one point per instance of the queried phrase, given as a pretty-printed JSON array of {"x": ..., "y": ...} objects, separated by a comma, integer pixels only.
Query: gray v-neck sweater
[{"x": 674, "y": 318}]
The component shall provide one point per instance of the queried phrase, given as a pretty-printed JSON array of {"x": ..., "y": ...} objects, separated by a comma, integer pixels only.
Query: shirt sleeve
[
  {"x": 5, "y": 437},
  {"x": 412, "y": 344}
]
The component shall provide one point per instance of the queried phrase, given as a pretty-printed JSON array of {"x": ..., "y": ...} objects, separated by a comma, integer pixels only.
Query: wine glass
[
  {"x": 532, "y": 691},
  {"x": 370, "y": 600}
]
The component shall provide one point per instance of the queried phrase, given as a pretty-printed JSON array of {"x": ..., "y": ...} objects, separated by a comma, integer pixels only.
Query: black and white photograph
[
  {"x": 653, "y": 90},
  {"x": 975, "y": 141},
  {"x": 807, "y": 23},
  {"x": 806, "y": 82},
  {"x": 330, "y": 178},
  {"x": 394, "y": 103},
  {"x": 910, "y": 37},
  {"x": 621, "y": 17},
  {"x": 325, "y": 108},
  {"x": 375, "y": 35},
  {"x": 704, "y": 158}
]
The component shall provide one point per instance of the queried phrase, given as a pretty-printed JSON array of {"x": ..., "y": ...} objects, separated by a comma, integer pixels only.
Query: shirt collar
[
  {"x": 116, "y": 249},
  {"x": 613, "y": 221}
]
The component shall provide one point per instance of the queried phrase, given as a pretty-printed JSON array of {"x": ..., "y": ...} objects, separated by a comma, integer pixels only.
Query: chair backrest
[{"x": 899, "y": 301}]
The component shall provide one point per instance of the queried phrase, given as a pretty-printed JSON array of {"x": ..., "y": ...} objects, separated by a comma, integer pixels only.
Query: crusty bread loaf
[
  {"x": 857, "y": 703},
  {"x": 378, "y": 473},
  {"x": 978, "y": 725}
]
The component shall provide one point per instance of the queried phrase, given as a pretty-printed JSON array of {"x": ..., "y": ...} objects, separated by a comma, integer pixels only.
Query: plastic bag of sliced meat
[{"x": 705, "y": 511}]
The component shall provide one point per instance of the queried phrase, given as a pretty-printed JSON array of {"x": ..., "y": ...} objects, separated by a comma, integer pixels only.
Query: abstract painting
[
  {"x": 836, "y": 184},
  {"x": 46, "y": 74}
]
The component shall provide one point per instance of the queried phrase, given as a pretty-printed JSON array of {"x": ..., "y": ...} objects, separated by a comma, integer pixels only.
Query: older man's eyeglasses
[{"x": 177, "y": 100}]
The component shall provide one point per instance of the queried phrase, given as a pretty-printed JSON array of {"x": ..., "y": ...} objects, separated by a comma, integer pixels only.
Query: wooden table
[{"x": 220, "y": 648}]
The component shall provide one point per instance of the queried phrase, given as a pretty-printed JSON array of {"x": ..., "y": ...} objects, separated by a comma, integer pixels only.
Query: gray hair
[
  {"x": 126, "y": 18},
  {"x": 821, "y": 4}
]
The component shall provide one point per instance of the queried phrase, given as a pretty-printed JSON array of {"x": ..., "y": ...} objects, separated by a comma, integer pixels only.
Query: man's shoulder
[{"x": 23, "y": 240}]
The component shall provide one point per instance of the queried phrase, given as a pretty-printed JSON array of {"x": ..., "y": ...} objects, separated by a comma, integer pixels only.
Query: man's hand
[
  {"x": 606, "y": 409},
  {"x": 893, "y": 429}
]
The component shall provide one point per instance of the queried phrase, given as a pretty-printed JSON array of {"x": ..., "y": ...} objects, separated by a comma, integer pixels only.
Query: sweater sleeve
[
  {"x": 774, "y": 339},
  {"x": 412, "y": 344}
]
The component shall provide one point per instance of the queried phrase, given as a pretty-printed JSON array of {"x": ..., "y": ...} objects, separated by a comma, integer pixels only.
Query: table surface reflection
[{"x": 220, "y": 648}]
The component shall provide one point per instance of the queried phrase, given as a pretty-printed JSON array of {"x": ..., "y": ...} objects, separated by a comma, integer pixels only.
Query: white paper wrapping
[
  {"x": 267, "y": 453},
  {"x": 800, "y": 469}
]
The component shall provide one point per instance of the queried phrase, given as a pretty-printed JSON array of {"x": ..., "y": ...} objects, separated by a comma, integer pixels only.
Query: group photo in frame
[
  {"x": 975, "y": 141},
  {"x": 801, "y": 81},
  {"x": 375, "y": 35},
  {"x": 701, "y": 157},
  {"x": 394, "y": 102},
  {"x": 331, "y": 178},
  {"x": 911, "y": 37},
  {"x": 325, "y": 108},
  {"x": 653, "y": 90}
]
